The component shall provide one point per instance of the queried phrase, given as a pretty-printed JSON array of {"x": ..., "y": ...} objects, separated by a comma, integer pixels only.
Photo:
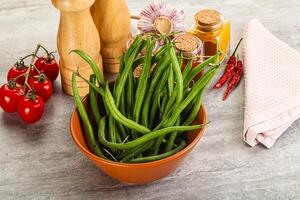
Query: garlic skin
[{"x": 173, "y": 19}]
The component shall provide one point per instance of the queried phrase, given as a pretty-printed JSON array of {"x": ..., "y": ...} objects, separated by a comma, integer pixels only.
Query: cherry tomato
[
  {"x": 48, "y": 66},
  {"x": 42, "y": 86},
  {"x": 31, "y": 109},
  {"x": 10, "y": 95},
  {"x": 16, "y": 71}
]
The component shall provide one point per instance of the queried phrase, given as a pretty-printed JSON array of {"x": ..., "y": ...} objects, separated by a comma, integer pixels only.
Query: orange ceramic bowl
[{"x": 140, "y": 173}]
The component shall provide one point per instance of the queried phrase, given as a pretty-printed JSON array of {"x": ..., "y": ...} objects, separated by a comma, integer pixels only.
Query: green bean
[
  {"x": 98, "y": 73},
  {"x": 154, "y": 81},
  {"x": 98, "y": 90},
  {"x": 142, "y": 82},
  {"x": 187, "y": 69},
  {"x": 172, "y": 137},
  {"x": 171, "y": 82},
  {"x": 129, "y": 95},
  {"x": 127, "y": 152},
  {"x": 122, "y": 64},
  {"x": 159, "y": 88},
  {"x": 88, "y": 130},
  {"x": 164, "y": 101},
  {"x": 178, "y": 76},
  {"x": 178, "y": 94},
  {"x": 134, "y": 44},
  {"x": 122, "y": 131},
  {"x": 131, "y": 151},
  {"x": 93, "y": 100},
  {"x": 123, "y": 77},
  {"x": 120, "y": 82},
  {"x": 112, "y": 129},
  {"x": 110, "y": 102},
  {"x": 195, "y": 90},
  {"x": 180, "y": 59},
  {"x": 141, "y": 140},
  {"x": 194, "y": 112},
  {"x": 137, "y": 152},
  {"x": 118, "y": 137},
  {"x": 198, "y": 69},
  {"x": 201, "y": 83},
  {"x": 187, "y": 110},
  {"x": 181, "y": 146}
]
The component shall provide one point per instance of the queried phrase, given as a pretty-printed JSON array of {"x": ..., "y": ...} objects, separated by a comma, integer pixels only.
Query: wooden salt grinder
[
  {"x": 112, "y": 20},
  {"x": 76, "y": 31}
]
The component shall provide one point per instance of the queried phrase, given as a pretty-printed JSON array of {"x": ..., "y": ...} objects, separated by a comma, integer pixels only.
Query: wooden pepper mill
[
  {"x": 112, "y": 20},
  {"x": 76, "y": 31}
]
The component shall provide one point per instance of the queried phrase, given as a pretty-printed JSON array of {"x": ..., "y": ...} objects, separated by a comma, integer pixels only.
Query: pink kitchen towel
[{"x": 272, "y": 85}]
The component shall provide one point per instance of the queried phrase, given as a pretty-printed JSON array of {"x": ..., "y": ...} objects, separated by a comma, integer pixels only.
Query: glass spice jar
[
  {"x": 190, "y": 47},
  {"x": 209, "y": 27}
]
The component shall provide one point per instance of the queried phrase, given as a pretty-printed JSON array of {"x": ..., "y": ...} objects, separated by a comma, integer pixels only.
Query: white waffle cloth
[{"x": 272, "y": 85}]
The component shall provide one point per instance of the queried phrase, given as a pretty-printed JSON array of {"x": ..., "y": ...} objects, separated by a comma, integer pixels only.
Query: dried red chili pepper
[
  {"x": 229, "y": 71},
  {"x": 235, "y": 79},
  {"x": 239, "y": 65}
]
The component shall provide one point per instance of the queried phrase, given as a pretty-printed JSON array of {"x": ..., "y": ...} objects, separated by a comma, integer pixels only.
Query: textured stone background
[{"x": 41, "y": 162}]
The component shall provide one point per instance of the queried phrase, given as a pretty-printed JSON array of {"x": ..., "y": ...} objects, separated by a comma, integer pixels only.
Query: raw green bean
[
  {"x": 112, "y": 129},
  {"x": 172, "y": 137},
  {"x": 110, "y": 102},
  {"x": 194, "y": 112},
  {"x": 171, "y": 82},
  {"x": 129, "y": 95},
  {"x": 141, "y": 140},
  {"x": 127, "y": 152},
  {"x": 180, "y": 59},
  {"x": 98, "y": 73},
  {"x": 178, "y": 94},
  {"x": 200, "y": 84},
  {"x": 122, "y": 103},
  {"x": 134, "y": 44},
  {"x": 178, "y": 76},
  {"x": 137, "y": 152},
  {"x": 98, "y": 90},
  {"x": 187, "y": 69},
  {"x": 181, "y": 146},
  {"x": 120, "y": 82},
  {"x": 88, "y": 130},
  {"x": 178, "y": 91},
  {"x": 122, "y": 64},
  {"x": 93, "y": 100},
  {"x": 164, "y": 101},
  {"x": 122, "y": 131},
  {"x": 198, "y": 69},
  {"x": 187, "y": 110},
  {"x": 161, "y": 85},
  {"x": 159, "y": 69},
  {"x": 142, "y": 82},
  {"x": 123, "y": 77}
]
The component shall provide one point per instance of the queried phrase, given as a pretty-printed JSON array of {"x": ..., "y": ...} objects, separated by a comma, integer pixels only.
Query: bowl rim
[{"x": 156, "y": 162}]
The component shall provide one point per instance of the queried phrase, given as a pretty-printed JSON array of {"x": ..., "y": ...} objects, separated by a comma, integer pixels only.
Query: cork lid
[
  {"x": 209, "y": 19},
  {"x": 188, "y": 44}
]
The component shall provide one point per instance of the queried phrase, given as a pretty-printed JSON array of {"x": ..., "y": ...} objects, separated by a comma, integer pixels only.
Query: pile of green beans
[{"x": 143, "y": 119}]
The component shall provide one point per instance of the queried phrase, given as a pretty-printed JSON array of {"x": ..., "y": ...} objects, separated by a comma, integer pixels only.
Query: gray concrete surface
[{"x": 41, "y": 162}]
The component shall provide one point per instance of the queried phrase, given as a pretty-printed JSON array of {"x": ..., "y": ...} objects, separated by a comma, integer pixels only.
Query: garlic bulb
[{"x": 162, "y": 18}]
